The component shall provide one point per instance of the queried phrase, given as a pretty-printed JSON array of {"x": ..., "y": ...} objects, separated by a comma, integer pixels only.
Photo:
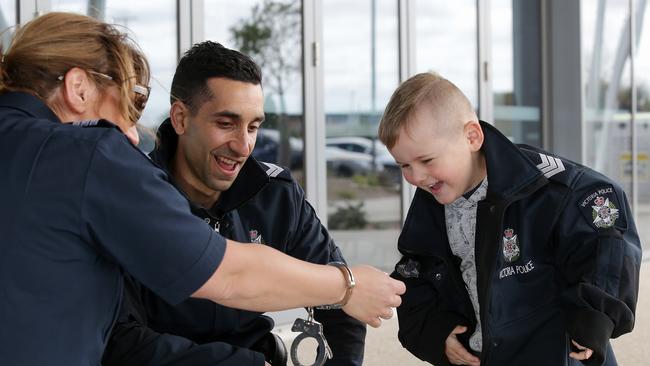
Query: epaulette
[
  {"x": 95, "y": 123},
  {"x": 554, "y": 168},
  {"x": 275, "y": 171}
]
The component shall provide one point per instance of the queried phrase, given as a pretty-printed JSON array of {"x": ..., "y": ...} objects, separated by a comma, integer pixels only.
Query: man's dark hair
[{"x": 207, "y": 60}]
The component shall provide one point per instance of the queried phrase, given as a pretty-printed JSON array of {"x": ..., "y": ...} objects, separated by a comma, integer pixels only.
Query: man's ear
[
  {"x": 77, "y": 90},
  {"x": 474, "y": 135},
  {"x": 178, "y": 114}
]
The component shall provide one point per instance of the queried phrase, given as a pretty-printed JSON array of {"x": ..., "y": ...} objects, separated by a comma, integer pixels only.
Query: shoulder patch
[
  {"x": 408, "y": 268},
  {"x": 95, "y": 123},
  {"x": 276, "y": 171},
  {"x": 602, "y": 209},
  {"x": 557, "y": 169},
  {"x": 273, "y": 170},
  {"x": 550, "y": 165}
]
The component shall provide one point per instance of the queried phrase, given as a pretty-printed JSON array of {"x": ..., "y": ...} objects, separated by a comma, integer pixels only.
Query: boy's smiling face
[{"x": 442, "y": 158}]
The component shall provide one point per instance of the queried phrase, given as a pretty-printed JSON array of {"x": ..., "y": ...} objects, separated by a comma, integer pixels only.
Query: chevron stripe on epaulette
[
  {"x": 550, "y": 165},
  {"x": 273, "y": 170}
]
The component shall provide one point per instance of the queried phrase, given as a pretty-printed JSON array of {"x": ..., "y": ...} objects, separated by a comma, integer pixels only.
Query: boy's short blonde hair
[{"x": 430, "y": 87}]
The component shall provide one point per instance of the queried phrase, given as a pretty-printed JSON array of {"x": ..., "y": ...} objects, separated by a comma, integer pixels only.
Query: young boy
[{"x": 527, "y": 258}]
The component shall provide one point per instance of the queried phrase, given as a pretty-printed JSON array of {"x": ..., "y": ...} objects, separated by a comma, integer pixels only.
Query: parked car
[
  {"x": 347, "y": 163},
  {"x": 356, "y": 144},
  {"x": 380, "y": 158},
  {"x": 345, "y": 156},
  {"x": 266, "y": 148}
]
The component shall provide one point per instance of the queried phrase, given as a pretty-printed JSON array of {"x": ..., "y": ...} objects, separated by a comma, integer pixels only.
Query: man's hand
[
  {"x": 456, "y": 353},
  {"x": 374, "y": 295},
  {"x": 584, "y": 353}
]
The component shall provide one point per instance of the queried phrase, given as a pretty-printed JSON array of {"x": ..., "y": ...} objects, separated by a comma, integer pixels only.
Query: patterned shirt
[{"x": 460, "y": 218}]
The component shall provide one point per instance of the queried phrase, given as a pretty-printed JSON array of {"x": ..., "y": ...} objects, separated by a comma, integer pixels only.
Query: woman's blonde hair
[{"x": 46, "y": 47}]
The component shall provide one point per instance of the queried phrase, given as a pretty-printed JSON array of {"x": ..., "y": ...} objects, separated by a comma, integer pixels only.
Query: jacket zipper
[
  {"x": 485, "y": 310},
  {"x": 217, "y": 223}
]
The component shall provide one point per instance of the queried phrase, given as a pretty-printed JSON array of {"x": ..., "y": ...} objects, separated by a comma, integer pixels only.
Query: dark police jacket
[
  {"x": 71, "y": 204},
  {"x": 264, "y": 205},
  {"x": 557, "y": 258}
]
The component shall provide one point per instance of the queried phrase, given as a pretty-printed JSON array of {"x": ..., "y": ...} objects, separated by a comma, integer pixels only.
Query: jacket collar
[
  {"x": 511, "y": 175},
  {"x": 28, "y": 104},
  {"x": 510, "y": 172},
  {"x": 251, "y": 179}
]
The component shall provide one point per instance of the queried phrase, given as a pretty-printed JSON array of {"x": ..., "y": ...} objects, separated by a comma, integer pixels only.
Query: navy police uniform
[
  {"x": 71, "y": 221},
  {"x": 264, "y": 205},
  {"x": 557, "y": 258}
]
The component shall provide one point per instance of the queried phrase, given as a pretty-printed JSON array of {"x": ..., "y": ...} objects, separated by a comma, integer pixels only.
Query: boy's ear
[
  {"x": 178, "y": 114},
  {"x": 473, "y": 135}
]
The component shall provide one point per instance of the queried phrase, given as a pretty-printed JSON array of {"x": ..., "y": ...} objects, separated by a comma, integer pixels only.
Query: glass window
[
  {"x": 154, "y": 29},
  {"x": 360, "y": 61},
  {"x": 516, "y": 69},
  {"x": 606, "y": 49},
  {"x": 271, "y": 33},
  {"x": 447, "y": 42},
  {"x": 609, "y": 109},
  {"x": 7, "y": 19},
  {"x": 642, "y": 116}
]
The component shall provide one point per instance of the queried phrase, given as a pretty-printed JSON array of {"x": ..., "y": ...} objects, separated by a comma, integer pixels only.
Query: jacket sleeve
[
  {"x": 311, "y": 242},
  {"x": 200, "y": 320},
  {"x": 132, "y": 342},
  {"x": 424, "y": 324},
  {"x": 187, "y": 251},
  {"x": 599, "y": 254}
]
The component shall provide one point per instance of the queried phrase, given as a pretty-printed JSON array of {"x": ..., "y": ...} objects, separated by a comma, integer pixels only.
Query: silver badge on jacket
[
  {"x": 511, "y": 250},
  {"x": 255, "y": 236}
]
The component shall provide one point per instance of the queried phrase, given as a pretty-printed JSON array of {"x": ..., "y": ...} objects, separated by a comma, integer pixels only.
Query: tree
[{"x": 272, "y": 37}]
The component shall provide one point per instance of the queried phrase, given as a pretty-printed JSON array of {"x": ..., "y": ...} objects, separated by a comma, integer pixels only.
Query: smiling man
[
  {"x": 205, "y": 145},
  {"x": 217, "y": 131}
]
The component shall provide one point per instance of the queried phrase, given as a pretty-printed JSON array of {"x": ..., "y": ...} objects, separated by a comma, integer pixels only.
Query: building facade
[{"x": 571, "y": 76}]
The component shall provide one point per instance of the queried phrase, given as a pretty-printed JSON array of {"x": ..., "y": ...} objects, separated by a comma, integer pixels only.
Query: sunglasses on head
[{"x": 141, "y": 96}]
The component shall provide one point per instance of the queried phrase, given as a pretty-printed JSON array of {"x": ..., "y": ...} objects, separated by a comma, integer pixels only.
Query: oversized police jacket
[
  {"x": 557, "y": 258},
  {"x": 264, "y": 205}
]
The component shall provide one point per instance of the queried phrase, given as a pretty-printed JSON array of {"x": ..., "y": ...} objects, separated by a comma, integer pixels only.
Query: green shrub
[{"x": 349, "y": 217}]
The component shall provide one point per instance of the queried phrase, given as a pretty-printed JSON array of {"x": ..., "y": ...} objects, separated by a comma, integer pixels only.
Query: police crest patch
[
  {"x": 604, "y": 212},
  {"x": 511, "y": 250},
  {"x": 602, "y": 208},
  {"x": 256, "y": 238}
]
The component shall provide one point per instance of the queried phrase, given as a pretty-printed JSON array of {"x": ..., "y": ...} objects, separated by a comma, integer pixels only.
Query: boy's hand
[
  {"x": 584, "y": 353},
  {"x": 456, "y": 353}
]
